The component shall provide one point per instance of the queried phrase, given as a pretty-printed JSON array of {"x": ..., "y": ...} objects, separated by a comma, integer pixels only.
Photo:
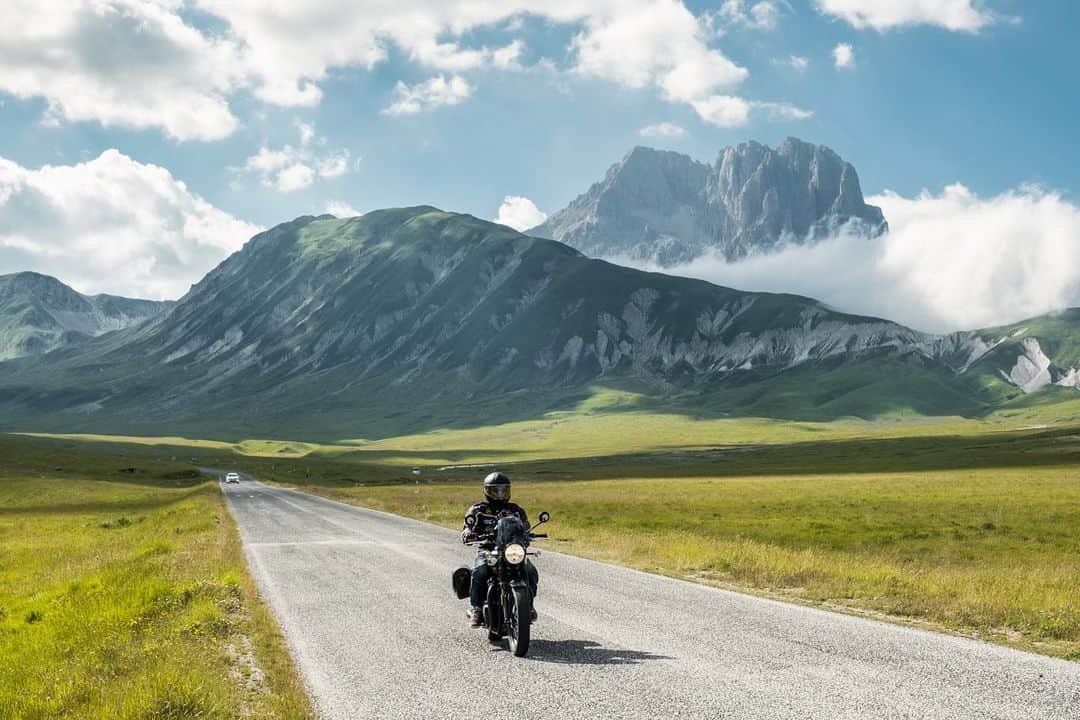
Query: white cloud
[
  {"x": 763, "y": 15},
  {"x": 723, "y": 110},
  {"x": 145, "y": 64},
  {"x": 121, "y": 63},
  {"x": 333, "y": 166},
  {"x": 294, "y": 176},
  {"x": 660, "y": 44},
  {"x": 783, "y": 111},
  {"x": 508, "y": 56},
  {"x": 341, "y": 209},
  {"x": 519, "y": 213},
  {"x": 843, "y": 56},
  {"x": 950, "y": 261},
  {"x": 295, "y": 168},
  {"x": 731, "y": 111},
  {"x": 112, "y": 225},
  {"x": 430, "y": 94},
  {"x": 664, "y": 129},
  {"x": 956, "y": 15},
  {"x": 290, "y": 47},
  {"x": 798, "y": 63},
  {"x": 307, "y": 132},
  {"x": 976, "y": 261}
]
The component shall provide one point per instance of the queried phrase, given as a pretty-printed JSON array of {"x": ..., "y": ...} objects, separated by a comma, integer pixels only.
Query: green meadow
[
  {"x": 123, "y": 594},
  {"x": 607, "y": 422},
  {"x": 964, "y": 526}
]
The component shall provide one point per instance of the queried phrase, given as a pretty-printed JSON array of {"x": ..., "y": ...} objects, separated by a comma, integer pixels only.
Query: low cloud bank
[{"x": 950, "y": 261}]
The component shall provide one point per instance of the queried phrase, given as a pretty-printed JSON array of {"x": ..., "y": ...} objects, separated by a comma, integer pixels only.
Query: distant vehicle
[{"x": 232, "y": 477}]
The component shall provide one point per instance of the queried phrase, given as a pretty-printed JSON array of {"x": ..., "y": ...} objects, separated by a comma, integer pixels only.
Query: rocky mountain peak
[
  {"x": 669, "y": 208},
  {"x": 43, "y": 288}
]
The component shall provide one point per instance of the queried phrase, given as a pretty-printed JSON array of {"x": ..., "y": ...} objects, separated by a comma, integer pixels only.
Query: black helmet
[{"x": 497, "y": 488}]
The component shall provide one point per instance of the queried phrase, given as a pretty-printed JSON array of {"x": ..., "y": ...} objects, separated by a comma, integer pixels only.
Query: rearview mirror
[
  {"x": 544, "y": 517},
  {"x": 470, "y": 520}
]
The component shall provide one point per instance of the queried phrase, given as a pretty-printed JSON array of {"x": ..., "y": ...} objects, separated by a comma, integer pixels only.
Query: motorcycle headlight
[{"x": 514, "y": 553}]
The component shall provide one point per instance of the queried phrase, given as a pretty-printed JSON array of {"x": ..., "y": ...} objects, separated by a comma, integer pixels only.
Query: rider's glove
[{"x": 466, "y": 536}]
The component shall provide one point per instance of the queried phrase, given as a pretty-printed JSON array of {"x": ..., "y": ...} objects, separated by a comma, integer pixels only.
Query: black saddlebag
[{"x": 462, "y": 579}]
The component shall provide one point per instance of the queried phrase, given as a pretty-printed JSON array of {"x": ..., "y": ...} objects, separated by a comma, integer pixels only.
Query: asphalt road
[{"x": 365, "y": 602}]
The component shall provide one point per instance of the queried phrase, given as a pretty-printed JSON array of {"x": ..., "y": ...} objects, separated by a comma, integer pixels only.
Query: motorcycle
[{"x": 508, "y": 609}]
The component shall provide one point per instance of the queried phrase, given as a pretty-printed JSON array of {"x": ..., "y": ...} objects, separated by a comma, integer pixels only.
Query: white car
[{"x": 232, "y": 478}]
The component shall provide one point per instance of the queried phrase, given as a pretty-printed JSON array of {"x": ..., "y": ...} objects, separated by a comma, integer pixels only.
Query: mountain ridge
[
  {"x": 39, "y": 313},
  {"x": 665, "y": 207},
  {"x": 413, "y": 318}
]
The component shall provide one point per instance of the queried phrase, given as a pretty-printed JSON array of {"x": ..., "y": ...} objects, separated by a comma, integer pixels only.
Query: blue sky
[
  {"x": 536, "y": 103},
  {"x": 922, "y": 107}
]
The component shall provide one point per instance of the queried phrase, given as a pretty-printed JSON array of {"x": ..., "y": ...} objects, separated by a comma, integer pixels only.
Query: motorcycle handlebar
[{"x": 490, "y": 537}]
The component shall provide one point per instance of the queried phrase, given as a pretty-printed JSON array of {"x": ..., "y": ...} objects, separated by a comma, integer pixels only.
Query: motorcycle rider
[{"x": 496, "y": 504}]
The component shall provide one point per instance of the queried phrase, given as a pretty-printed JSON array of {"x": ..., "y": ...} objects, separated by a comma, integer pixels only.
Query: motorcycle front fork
[{"x": 493, "y": 607}]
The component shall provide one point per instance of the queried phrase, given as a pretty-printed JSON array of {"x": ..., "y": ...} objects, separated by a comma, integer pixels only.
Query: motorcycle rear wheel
[{"x": 519, "y": 621}]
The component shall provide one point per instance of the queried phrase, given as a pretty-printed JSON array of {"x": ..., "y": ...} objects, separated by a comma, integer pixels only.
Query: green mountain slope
[
  {"x": 1031, "y": 368},
  {"x": 1034, "y": 353},
  {"x": 411, "y": 319},
  {"x": 39, "y": 313}
]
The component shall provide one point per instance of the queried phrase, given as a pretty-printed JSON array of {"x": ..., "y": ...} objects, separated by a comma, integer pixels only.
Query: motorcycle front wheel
[
  {"x": 519, "y": 619},
  {"x": 494, "y": 620}
]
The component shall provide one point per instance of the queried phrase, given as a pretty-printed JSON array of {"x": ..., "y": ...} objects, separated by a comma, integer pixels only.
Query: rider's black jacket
[{"x": 487, "y": 514}]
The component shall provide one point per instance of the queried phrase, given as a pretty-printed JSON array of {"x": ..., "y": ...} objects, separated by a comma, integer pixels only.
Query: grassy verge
[{"x": 123, "y": 594}]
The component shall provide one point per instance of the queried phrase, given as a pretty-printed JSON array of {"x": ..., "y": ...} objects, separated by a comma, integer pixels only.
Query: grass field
[
  {"x": 607, "y": 422},
  {"x": 123, "y": 594},
  {"x": 966, "y": 526}
]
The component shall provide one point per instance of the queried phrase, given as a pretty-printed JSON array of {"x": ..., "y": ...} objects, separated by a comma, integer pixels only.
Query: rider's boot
[{"x": 476, "y": 617}]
